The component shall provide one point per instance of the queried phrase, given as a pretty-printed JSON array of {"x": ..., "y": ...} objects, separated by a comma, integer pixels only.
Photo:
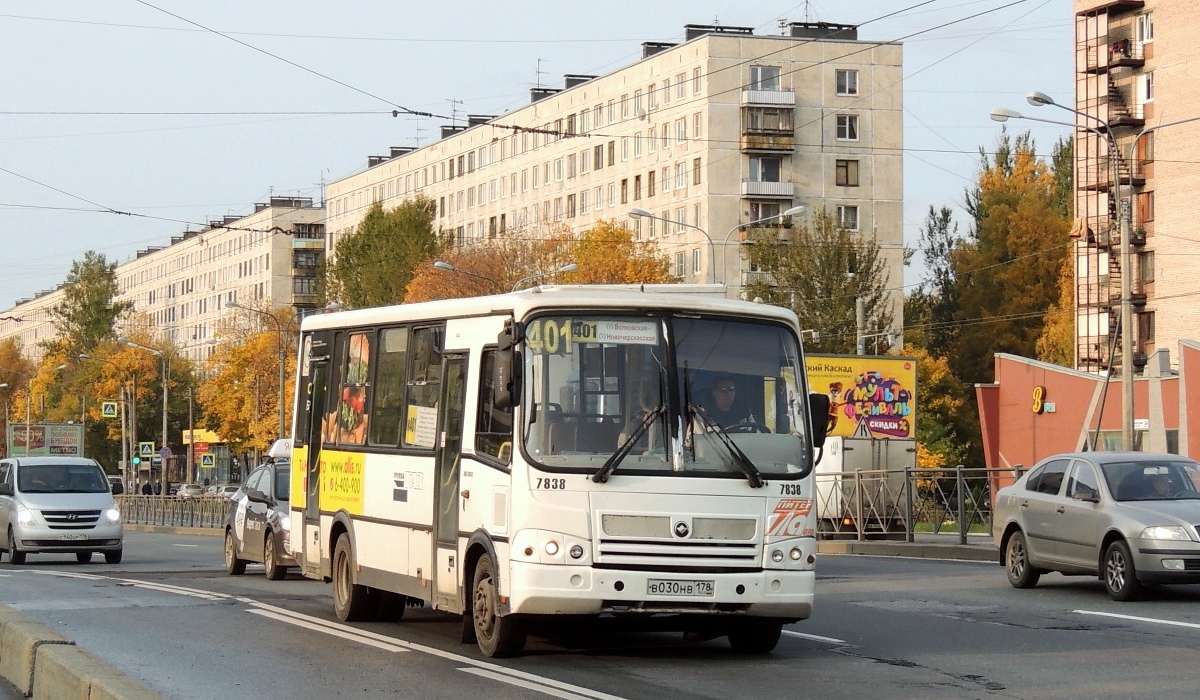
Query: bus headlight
[
  {"x": 552, "y": 548},
  {"x": 796, "y": 553},
  {"x": 576, "y": 551},
  {"x": 777, "y": 556}
]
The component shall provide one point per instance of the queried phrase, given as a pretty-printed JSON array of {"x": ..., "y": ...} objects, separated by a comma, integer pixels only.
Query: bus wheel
[
  {"x": 351, "y": 602},
  {"x": 389, "y": 607},
  {"x": 755, "y": 635},
  {"x": 498, "y": 636}
]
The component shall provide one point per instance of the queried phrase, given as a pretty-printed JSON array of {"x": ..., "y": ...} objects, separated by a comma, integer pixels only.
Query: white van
[{"x": 58, "y": 505}]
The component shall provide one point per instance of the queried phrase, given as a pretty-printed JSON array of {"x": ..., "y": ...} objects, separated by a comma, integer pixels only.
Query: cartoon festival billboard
[{"x": 868, "y": 396}]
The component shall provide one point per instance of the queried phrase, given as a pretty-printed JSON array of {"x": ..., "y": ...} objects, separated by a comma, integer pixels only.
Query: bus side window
[{"x": 493, "y": 426}]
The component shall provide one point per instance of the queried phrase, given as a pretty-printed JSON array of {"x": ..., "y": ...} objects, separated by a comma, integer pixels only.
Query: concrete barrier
[{"x": 42, "y": 664}]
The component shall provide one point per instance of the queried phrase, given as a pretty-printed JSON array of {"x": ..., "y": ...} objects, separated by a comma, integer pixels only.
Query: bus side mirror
[
  {"x": 506, "y": 372},
  {"x": 818, "y": 414}
]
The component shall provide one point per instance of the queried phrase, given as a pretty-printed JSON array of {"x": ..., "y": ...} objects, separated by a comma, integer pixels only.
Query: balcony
[
  {"x": 1110, "y": 7},
  {"x": 774, "y": 190},
  {"x": 1104, "y": 56},
  {"x": 769, "y": 98},
  {"x": 767, "y": 140}
]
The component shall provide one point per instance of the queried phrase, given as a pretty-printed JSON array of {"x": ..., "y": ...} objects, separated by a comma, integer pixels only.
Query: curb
[
  {"x": 916, "y": 550},
  {"x": 40, "y": 663}
]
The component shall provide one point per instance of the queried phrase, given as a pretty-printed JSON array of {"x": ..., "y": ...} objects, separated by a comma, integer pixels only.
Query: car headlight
[
  {"x": 112, "y": 516},
  {"x": 1166, "y": 532},
  {"x": 25, "y": 516},
  {"x": 285, "y": 523}
]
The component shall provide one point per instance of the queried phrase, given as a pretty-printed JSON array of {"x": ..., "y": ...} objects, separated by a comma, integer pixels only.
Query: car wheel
[
  {"x": 497, "y": 635},
  {"x": 1021, "y": 573},
  {"x": 351, "y": 601},
  {"x": 83, "y": 557},
  {"x": 1120, "y": 578},
  {"x": 113, "y": 556},
  {"x": 233, "y": 565},
  {"x": 755, "y": 635},
  {"x": 273, "y": 570},
  {"x": 15, "y": 556}
]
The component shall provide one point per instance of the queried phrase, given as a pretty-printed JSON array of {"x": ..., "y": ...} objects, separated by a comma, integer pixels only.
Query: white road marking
[
  {"x": 816, "y": 638},
  {"x": 185, "y": 545},
  {"x": 325, "y": 629},
  {"x": 1135, "y": 618},
  {"x": 524, "y": 684},
  {"x": 64, "y": 574}
]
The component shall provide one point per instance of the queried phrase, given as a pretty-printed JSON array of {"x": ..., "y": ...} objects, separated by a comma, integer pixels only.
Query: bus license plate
[
  {"x": 659, "y": 586},
  {"x": 80, "y": 536}
]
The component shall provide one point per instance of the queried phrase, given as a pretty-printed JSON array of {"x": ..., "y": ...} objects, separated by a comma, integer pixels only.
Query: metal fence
[
  {"x": 861, "y": 505},
  {"x": 207, "y": 511},
  {"x": 897, "y": 505}
]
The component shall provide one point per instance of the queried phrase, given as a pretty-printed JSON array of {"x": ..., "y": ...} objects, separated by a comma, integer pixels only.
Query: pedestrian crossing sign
[
  {"x": 208, "y": 460},
  {"x": 108, "y": 409},
  {"x": 145, "y": 449}
]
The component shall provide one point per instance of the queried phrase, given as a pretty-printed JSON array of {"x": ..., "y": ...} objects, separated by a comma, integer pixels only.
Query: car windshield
[
  {"x": 61, "y": 478},
  {"x": 665, "y": 395},
  {"x": 1153, "y": 480}
]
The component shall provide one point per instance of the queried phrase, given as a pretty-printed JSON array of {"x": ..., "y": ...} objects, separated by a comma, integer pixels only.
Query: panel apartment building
[
  {"x": 721, "y": 130},
  {"x": 263, "y": 260},
  {"x": 1132, "y": 59}
]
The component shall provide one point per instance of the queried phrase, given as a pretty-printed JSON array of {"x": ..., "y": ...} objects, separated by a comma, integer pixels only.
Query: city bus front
[{"x": 669, "y": 462}]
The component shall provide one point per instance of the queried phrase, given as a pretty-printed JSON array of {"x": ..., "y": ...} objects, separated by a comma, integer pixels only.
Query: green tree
[
  {"x": 819, "y": 271},
  {"x": 1007, "y": 271},
  {"x": 89, "y": 311},
  {"x": 373, "y": 265},
  {"x": 931, "y": 309}
]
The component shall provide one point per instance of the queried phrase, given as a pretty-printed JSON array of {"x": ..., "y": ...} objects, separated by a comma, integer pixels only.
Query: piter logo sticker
[{"x": 790, "y": 516}]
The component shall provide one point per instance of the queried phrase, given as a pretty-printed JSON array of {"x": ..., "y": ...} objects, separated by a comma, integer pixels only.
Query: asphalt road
[{"x": 883, "y": 627}]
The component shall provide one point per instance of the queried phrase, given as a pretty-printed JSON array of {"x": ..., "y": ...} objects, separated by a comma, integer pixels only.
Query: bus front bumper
[{"x": 542, "y": 589}]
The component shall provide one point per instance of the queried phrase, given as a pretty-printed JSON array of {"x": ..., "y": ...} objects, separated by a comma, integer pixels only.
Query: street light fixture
[
  {"x": 442, "y": 265},
  {"x": 282, "y": 352},
  {"x": 794, "y": 211},
  {"x": 712, "y": 249}
]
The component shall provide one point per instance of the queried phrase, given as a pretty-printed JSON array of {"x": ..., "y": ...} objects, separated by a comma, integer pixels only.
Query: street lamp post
[
  {"x": 569, "y": 267},
  {"x": 124, "y": 441},
  {"x": 282, "y": 353},
  {"x": 794, "y": 211},
  {"x": 162, "y": 477},
  {"x": 442, "y": 265},
  {"x": 712, "y": 249},
  {"x": 28, "y": 403}
]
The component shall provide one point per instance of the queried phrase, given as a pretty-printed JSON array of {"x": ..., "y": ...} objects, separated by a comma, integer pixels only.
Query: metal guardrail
[
  {"x": 204, "y": 511},
  {"x": 868, "y": 504}
]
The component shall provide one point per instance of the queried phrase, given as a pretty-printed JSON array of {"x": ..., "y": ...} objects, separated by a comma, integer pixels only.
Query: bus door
[
  {"x": 449, "y": 447},
  {"x": 310, "y": 554}
]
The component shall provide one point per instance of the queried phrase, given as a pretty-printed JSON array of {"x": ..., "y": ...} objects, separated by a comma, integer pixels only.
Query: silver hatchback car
[{"x": 1130, "y": 518}]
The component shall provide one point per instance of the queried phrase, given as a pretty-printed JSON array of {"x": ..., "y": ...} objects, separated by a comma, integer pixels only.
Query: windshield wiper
[
  {"x": 623, "y": 450},
  {"x": 740, "y": 460}
]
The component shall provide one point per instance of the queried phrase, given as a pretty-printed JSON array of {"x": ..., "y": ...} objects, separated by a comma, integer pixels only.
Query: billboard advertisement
[
  {"x": 869, "y": 396},
  {"x": 43, "y": 439}
]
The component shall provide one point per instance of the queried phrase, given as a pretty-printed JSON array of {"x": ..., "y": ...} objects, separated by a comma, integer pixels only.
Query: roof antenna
[
  {"x": 454, "y": 110},
  {"x": 538, "y": 73}
]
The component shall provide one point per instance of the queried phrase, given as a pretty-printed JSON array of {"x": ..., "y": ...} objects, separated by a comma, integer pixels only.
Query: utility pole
[{"x": 860, "y": 325}]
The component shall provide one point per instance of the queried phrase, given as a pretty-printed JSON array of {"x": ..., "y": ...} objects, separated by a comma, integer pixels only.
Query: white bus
[{"x": 560, "y": 451}]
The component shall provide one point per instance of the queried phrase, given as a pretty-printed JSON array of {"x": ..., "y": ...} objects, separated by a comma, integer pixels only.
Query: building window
[
  {"x": 558, "y": 169},
  {"x": 681, "y": 86},
  {"x": 681, "y": 130},
  {"x": 650, "y": 234},
  {"x": 666, "y": 179},
  {"x": 680, "y": 219},
  {"x": 847, "y": 127},
  {"x": 558, "y": 208},
  {"x": 696, "y": 261},
  {"x": 846, "y": 173},
  {"x": 585, "y": 161},
  {"x": 650, "y": 184},
  {"x": 624, "y": 190},
  {"x": 848, "y": 217},
  {"x": 696, "y": 126},
  {"x": 583, "y": 202},
  {"x": 652, "y": 96},
  {"x": 637, "y": 145},
  {"x": 637, "y": 103},
  {"x": 680, "y": 261},
  {"x": 847, "y": 82},
  {"x": 1146, "y": 327},
  {"x": 612, "y": 194},
  {"x": 696, "y": 171},
  {"x": 599, "y": 196},
  {"x": 695, "y": 81},
  {"x": 681, "y": 176},
  {"x": 666, "y": 136},
  {"x": 570, "y": 206},
  {"x": 625, "y": 106},
  {"x": 1145, "y": 27},
  {"x": 760, "y": 210},
  {"x": 598, "y": 156},
  {"x": 1148, "y": 86},
  {"x": 624, "y": 148},
  {"x": 763, "y": 169},
  {"x": 571, "y": 166},
  {"x": 637, "y": 187},
  {"x": 1145, "y": 206},
  {"x": 764, "y": 77},
  {"x": 1146, "y": 266},
  {"x": 612, "y": 152}
]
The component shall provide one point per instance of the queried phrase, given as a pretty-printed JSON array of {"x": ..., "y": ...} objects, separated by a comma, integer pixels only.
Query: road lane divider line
[
  {"x": 354, "y": 636},
  {"x": 65, "y": 574},
  {"x": 1135, "y": 618},
  {"x": 816, "y": 638},
  {"x": 168, "y": 588},
  {"x": 432, "y": 651},
  {"x": 521, "y": 683}
]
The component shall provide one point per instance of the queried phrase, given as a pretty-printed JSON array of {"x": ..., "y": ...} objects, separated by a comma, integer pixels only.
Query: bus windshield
[{"x": 664, "y": 395}]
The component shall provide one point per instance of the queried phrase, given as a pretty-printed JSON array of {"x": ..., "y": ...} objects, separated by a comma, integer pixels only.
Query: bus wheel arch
[{"x": 478, "y": 545}]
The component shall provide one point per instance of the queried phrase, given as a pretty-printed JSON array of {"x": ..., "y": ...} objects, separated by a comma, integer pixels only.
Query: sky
[{"x": 126, "y": 122}]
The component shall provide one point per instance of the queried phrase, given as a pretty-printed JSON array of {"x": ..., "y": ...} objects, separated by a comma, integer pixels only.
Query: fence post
[
  {"x": 961, "y": 482},
  {"x": 858, "y": 506},
  {"x": 909, "y": 527}
]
